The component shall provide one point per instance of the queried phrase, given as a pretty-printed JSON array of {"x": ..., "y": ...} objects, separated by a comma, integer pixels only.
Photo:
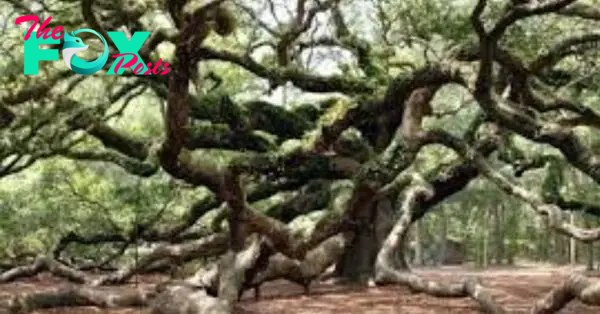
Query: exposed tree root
[
  {"x": 206, "y": 278},
  {"x": 178, "y": 298},
  {"x": 209, "y": 246},
  {"x": 216, "y": 288},
  {"x": 277, "y": 266},
  {"x": 170, "y": 254},
  {"x": 42, "y": 264},
  {"x": 75, "y": 296},
  {"x": 302, "y": 272},
  {"x": 385, "y": 273},
  {"x": 577, "y": 287},
  {"x": 183, "y": 298}
]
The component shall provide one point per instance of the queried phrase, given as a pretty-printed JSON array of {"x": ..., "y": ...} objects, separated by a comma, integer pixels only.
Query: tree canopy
[{"x": 290, "y": 136}]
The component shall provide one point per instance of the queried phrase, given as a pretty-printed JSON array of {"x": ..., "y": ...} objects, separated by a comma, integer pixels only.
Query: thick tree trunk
[{"x": 357, "y": 263}]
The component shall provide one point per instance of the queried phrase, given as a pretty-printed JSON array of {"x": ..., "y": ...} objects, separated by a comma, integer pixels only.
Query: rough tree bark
[
  {"x": 577, "y": 287},
  {"x": 387, "y": 274},
  {"x": 42, "y": 264},
  {"x": 369, "y": 219},
  {"x": 183, "y": 298},
  {"x": 177, "y": 254},
  {"x": 301, "y": 272},
  {"x": 75, "y": 296},
  {"x": 356, "y": 264}
]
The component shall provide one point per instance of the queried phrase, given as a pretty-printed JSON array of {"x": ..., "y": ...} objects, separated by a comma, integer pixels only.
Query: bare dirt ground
[{"x": 514, "y": 288}]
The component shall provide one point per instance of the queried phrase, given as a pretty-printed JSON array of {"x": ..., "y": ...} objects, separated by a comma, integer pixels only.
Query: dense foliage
[{"x": 309, "y": 123}]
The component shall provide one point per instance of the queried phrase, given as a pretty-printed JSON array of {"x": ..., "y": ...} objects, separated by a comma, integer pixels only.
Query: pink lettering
[
  {"x": 148, "y": 66},
  {"x": 166, "y": 69},
  {"x": 28, "y": 18},
  {"x": 56, "y": 32},
  {"x": 138, "y": 68},
  {"x": 128, "y": 64},
  {"x": 42, "y": 30},
  {"x": 155, "y": 70}
]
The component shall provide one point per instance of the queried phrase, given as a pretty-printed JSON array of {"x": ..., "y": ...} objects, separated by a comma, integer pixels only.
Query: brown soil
[{"x": 516, "y": 289}]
